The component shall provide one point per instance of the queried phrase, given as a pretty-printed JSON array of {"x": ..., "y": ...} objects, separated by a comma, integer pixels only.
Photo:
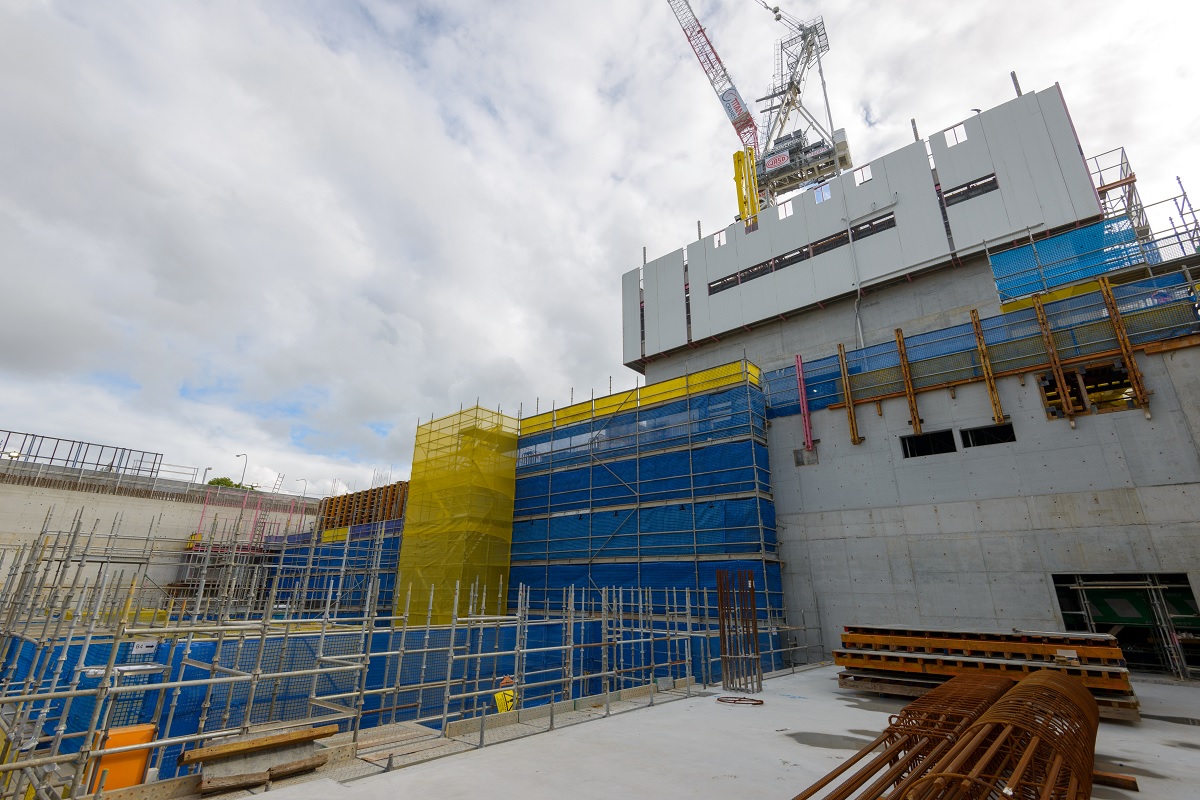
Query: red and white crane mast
[{"x": 718, "y": 76}]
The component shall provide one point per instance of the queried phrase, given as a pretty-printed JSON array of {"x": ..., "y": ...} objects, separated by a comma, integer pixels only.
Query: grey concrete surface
[{"x": 701, "y": 748}]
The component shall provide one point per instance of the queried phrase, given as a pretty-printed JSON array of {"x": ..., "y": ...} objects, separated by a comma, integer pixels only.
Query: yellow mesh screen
[{"x": 458, "y": 527}]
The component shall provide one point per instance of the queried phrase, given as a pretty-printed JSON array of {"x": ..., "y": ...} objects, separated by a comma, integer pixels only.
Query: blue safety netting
[
  {"x": 711, "y": 527},
  {"x": 1068, "y": 257},
  {"x": 1151, "y": 310},
  {"x": 308, "y": 572},
  {"x": 740, "y": 411}
]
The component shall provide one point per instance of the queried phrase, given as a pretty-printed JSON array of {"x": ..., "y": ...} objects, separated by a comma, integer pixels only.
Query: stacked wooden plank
[{"x": 911, "y": 661}]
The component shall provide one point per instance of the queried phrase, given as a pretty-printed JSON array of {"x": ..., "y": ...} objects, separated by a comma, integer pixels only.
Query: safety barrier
[{"x": 1151, "y": 310}]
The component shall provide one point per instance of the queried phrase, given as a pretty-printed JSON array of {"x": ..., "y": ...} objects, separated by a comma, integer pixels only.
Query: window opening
[
  {"x": 822, "y": 193},
  {"x": 862, "y": 175},
  {"x": 928, "y": 444},
  {"x": 1097, "y": 388},
  {"x": 830, "y": 243},
  {"x": 1154, "y": 617},
  {"x": 967, "y": 191},
  {"x": 785, "y": 210},
  {"x": 1108, "y": 387},
  {"x": 718, "y": 238},
  {"x": 874, "y": 226},
  {"x": 989, "y": 434},
  {"x": 956, "y": 135},
  {"x": 758, "y": 270}
]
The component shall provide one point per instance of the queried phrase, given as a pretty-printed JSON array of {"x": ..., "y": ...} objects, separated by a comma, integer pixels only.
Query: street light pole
[
  {"x": 206, "y": 471},
  {"x": 242, "y": 482}
]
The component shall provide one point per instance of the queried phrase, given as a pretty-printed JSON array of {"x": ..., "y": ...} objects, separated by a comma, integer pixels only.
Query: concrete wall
[
  {"x": 25, "y": 510},
  {"x": 972, "y": 538}
]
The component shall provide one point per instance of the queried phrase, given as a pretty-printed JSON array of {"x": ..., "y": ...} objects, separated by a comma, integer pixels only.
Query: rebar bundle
[{"x": 741, "y": 665}]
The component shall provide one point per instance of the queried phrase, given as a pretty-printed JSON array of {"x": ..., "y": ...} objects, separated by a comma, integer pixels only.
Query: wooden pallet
[
  {"x": 1112, "y": 706},
  {"x": 1042, "y": 652},
  {"x": 1061, "y": 638},
  {"x": 1114, "y": 679}
]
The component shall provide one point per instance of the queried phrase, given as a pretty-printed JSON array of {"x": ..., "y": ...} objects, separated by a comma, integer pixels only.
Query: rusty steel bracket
[
  {"x": 1136, "y": 381},
  {"x": 985, "y": 363},
  {"x": 1055, "y": 364},
  {"x": 914, "y": 415},
  {"x": 848, "y": 396}
]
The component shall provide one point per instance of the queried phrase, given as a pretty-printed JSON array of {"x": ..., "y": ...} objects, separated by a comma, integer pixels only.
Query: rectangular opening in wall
[
  {"x": 928, "y": 444},
  {"x": 830, "y": 243},
  {"x": 961, "y": 194},
  {"x": 1108, "y": 387},
  {"x": 1153, "y": 616},
  {"x": 1094, "y": 388},
  {"x": 989, "y": 434},
  {"x": 874, "y": 226},
  {"x": 1052, "y": 396}
]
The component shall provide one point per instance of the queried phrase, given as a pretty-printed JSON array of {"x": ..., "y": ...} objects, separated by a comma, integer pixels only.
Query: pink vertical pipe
[{"x": 808, "y": 440}]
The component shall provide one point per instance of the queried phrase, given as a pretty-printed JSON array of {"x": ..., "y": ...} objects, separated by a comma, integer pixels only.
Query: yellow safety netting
[
  {"x": 695, "y": 383},
  {"x": 458, "y": 526}
]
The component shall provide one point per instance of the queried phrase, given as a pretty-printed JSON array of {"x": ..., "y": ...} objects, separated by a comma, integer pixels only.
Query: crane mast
[
  {"x": 773, "y": 160},
  {"x": 731, "y": 99}
]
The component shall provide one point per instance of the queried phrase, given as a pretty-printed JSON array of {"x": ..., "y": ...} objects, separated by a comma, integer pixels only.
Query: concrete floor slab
[{"x": 698, "y": 747}]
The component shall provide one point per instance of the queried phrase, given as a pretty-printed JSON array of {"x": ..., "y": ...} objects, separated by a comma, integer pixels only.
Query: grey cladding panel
[
  {"x": 652, "y": 303},
  {"x": 788, "y": 233},
  {"x": 722, "y": 259},
  {"x": 965, "y": 161},
  {"x": 1075, "y": 175},
  {"x": 1013, "y": 176},
  {"x": 977, "y": 220},
  {"x": 759, "y": 298},
  {"x": 869, "y": 198},
  {"x": 672, "y": 312},
  {"x": 754, "y": 247},
  {"x": 879, "y": 256},
  {"x": 918, "y": 216},
  {"x": 699, "y": 280},
  {"x": 825, "y": 218},
  {"x": 631, "y": 325}
]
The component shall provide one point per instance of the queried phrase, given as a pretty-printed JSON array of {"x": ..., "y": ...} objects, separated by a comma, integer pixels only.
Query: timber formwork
[{"x": 909, "y": 661}]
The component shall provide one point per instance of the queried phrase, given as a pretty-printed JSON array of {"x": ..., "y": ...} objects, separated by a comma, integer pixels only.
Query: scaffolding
[
  {"x": 659, "y": 488},
  {"x": 460, "y": 508},
  {"x": 91, "y": 643},
  {"x": 1105, "y": 324}
]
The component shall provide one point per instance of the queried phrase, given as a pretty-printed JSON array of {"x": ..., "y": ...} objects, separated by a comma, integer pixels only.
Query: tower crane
[
  {"x": 811, "y": 151},
  {"x": 774, "y": 159},
  {"x": 745, "y": 173}
]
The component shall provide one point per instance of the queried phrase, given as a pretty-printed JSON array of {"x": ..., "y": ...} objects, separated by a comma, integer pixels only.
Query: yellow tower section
[{"x": 458, "y": 526}]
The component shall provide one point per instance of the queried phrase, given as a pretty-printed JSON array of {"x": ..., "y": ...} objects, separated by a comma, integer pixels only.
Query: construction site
[{"x": 906, "y": 507}]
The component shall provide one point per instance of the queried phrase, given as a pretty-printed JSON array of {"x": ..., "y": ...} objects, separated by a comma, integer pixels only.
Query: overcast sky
[{"x": 293, "y": 229}]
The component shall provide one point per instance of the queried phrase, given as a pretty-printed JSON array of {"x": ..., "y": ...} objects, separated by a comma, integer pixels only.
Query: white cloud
[{"x": 294, "y": 229}]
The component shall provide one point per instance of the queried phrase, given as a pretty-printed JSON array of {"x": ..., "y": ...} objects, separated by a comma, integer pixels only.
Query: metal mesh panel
[
  {"x": 460, "y": 507},
  {"x": 1066, "y": 258}
]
